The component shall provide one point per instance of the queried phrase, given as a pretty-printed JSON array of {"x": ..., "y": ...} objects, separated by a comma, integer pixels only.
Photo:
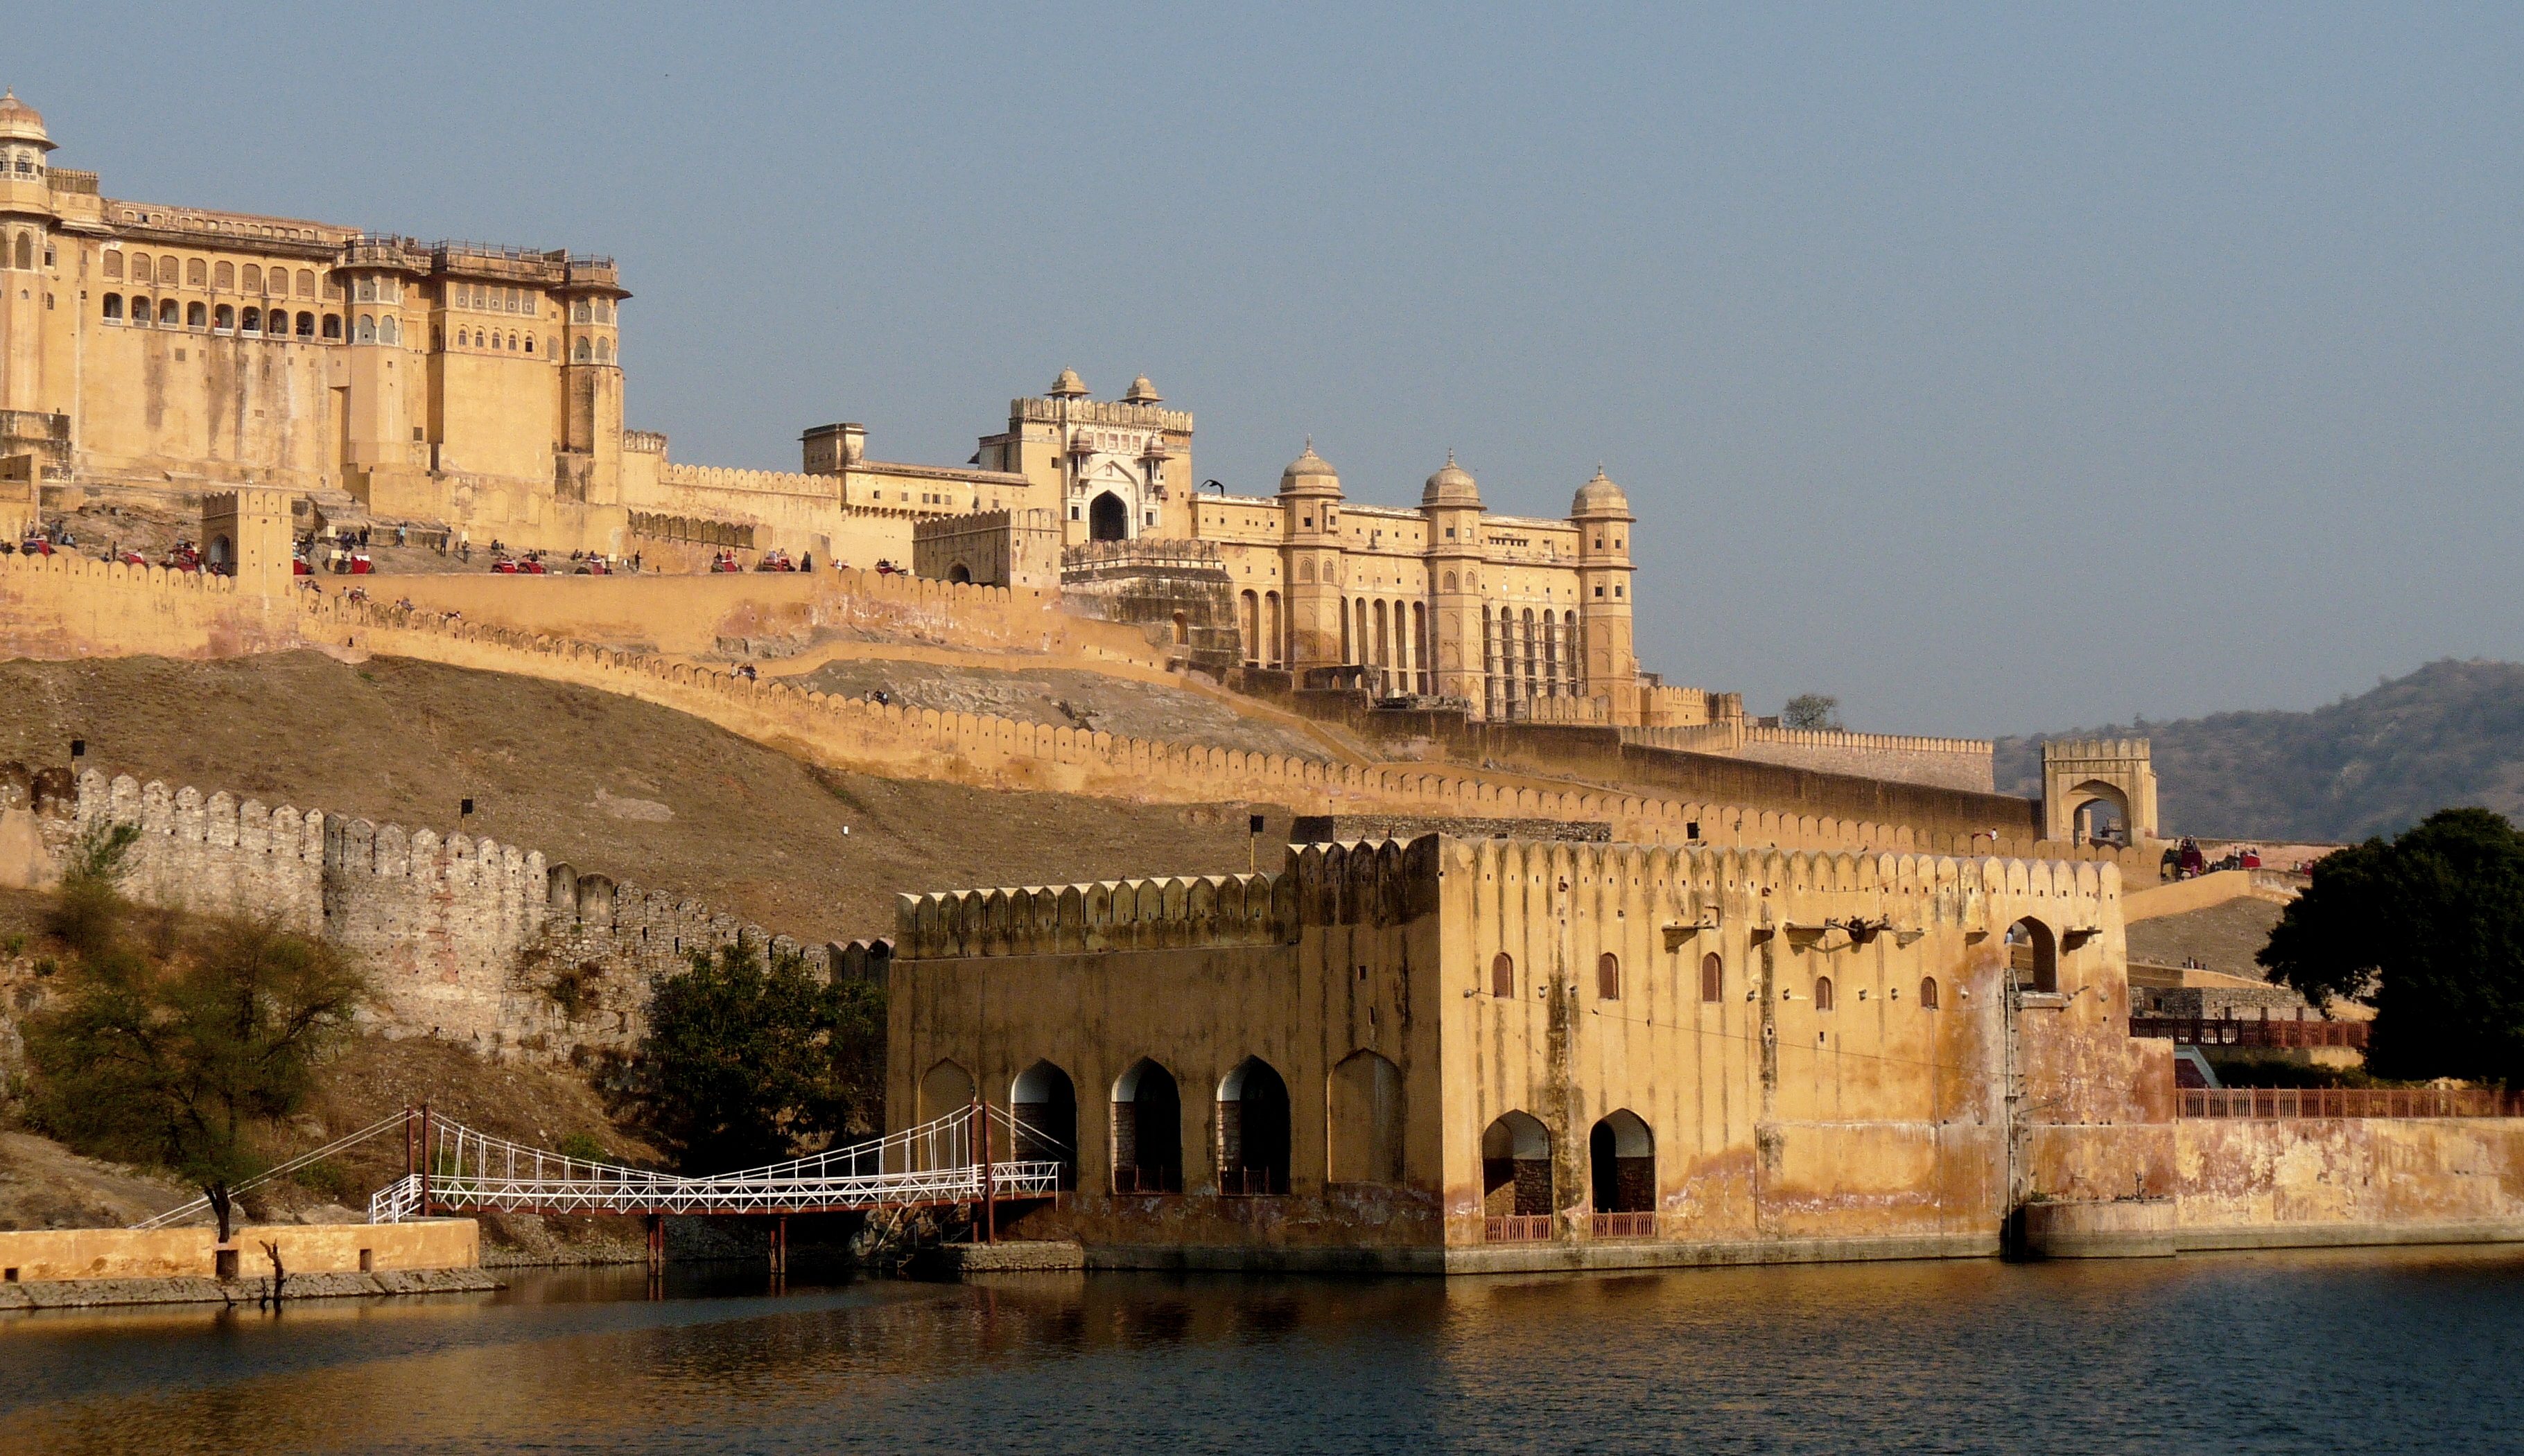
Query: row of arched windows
[
  {"x": 1712, "y": 981},
  {"x": 476, "y": 338},
  {"x": 1391, "y": 637},
  {"x": 1362, "y": 1111},
  {"x": 167, "y": 312},
  {"x": 1527, "y": 655},
  {"x": 1518, "y": 1199},
  {"x": 168, "y": 271},
  {"x": 1264, "y": 628},
  {"x": 592, "y": 311}
]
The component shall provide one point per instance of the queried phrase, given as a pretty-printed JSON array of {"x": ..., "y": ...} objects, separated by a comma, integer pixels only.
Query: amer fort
[{"x": 1561, "y": 966}]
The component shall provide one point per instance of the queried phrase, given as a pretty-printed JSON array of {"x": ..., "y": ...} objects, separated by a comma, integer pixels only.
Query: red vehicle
[
  {"x": 595, "y": 566},
  {"x": 361, "y": 566},
  {"x": 130, "y": 557},
  {"x": 298, "y": 566}
]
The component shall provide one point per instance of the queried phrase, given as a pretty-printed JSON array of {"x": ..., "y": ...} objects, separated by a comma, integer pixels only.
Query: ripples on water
[{"x": 2417, "y": 1351}]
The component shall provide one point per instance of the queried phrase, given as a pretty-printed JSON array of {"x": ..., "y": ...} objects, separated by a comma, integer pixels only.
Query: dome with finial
[
  {"x": 1069, "y": 386},
  {"x": 1309, "y": 474},
  {"x": 1600, "y": 497},
  {"x": 1452, "y": 485},
  {"x": 19, "y": 121},
  {"x": 1141, "y": 392}
]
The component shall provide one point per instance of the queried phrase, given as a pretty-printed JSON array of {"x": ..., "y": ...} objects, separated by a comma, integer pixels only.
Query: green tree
[
  {"x": 1811, "y": 710},
  {"x": 750, "y": 1060},
  {"x": 183, "y": 1055},
  {"x": 2429, "y": 929}
]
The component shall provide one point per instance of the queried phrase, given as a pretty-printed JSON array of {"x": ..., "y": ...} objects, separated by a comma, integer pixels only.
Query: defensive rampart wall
[{"x": 468, "y": 940}]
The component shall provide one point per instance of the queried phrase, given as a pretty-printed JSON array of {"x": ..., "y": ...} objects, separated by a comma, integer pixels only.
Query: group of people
[{"x": 2184, "y": 860}]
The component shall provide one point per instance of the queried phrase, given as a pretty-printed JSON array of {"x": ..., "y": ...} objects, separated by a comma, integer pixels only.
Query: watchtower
[
  {"x": 248, "y": 533},
  {"x": 2099, "y": 773}
]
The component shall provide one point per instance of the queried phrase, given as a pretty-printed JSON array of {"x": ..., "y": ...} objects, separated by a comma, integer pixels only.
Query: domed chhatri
[
  {"x": 1068, "y": 386},
  {"x": 1452, "y": 485},
  {"x": 1310, "y": 473},
  {"x": 1141, "y": 392},
  {"x": 1600, "y": 497},
  {"x": 19, "y": 121}
]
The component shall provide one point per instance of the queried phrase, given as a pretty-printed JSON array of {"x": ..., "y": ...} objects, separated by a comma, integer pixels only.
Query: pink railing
[
  {"x": 1517, "y": 1227},
  {"x": 2214, "y": 1031},
  {"x": 2347, "y": 1102},
  {"x": 1625, "y": 1226}
]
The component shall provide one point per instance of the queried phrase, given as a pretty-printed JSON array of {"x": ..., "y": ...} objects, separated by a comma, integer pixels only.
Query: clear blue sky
[{"x": 1994, "y": 368}]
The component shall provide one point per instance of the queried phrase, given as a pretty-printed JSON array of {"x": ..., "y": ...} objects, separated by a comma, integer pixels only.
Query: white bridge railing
[{"x": 950, "y": 1160}]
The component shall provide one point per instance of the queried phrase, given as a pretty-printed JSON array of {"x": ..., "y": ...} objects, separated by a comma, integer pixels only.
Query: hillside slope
[
  {"x": 639, "y": 792},
  {"x": 2451, "y": 733}
]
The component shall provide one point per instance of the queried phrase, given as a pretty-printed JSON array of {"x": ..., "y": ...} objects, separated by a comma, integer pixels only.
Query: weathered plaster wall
[{"x": 35, "y": 1254}]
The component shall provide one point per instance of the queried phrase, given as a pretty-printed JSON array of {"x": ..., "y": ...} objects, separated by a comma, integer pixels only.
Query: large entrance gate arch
[{"x": 2077, "y": 772}]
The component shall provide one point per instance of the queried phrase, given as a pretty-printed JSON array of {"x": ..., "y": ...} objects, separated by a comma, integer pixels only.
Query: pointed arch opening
[
  {"x": 1108, "y": 518},
  {"x": 1252, "y": 1131},
  {"x": 1621, "y": 1160},
  {"x": 2033, "y": 955},
  {"x": 1515, "y": 1173},
  {"x": 1045, "y": 1103},
  {"x": 1147, "y": 1131}
]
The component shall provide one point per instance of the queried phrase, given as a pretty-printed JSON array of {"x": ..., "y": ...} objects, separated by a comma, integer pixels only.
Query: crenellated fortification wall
[
  {"x": 468, "y": 940},
  {"x": 65, "y": 606},
  {"x": 1944, "y": 762}
]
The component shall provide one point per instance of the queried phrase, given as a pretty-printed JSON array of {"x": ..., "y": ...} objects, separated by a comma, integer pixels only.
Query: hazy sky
[{"x": 1994, "y": 368}]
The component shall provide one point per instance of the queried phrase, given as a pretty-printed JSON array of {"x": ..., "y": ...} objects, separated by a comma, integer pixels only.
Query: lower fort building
[{"x": 1465, "y": 1055}]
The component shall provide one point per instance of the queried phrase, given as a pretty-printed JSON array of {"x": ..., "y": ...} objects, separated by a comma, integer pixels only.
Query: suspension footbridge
[{"x": 975, "y": 1158}]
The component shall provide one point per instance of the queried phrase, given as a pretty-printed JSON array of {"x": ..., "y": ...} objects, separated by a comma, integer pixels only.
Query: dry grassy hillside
[{"x": 642, "y": 792}]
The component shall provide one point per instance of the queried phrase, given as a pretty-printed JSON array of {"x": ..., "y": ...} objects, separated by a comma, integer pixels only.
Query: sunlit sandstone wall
[
  {"x": 1947, "y": 763},
  {"x": 1875, "y": 1126},
  {"x": 38, "y": 1254},
  {"x": 64, "y": 605},
  {"x": 467, "y": 940}
]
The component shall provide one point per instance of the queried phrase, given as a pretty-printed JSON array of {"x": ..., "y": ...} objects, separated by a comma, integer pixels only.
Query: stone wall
[
  {"x": 1944, "y": 762},
  {"x": 468, "y": 940}
]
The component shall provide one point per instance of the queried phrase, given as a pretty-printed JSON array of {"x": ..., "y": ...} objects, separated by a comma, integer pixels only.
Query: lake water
[{"x": 2403, "y": 1351}]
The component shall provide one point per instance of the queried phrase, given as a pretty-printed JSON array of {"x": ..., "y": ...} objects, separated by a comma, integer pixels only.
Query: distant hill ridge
[{"x": 2451, "y": 733}]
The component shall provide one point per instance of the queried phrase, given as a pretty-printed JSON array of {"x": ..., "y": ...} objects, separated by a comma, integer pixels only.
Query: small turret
[{"x": 1068, "y": 386}]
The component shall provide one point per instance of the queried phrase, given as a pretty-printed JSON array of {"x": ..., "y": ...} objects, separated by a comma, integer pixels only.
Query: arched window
[
  {"x": 333, "y": 326},
  {"x": 605, "y": 310},
  {"x": 1450, "y": 581},
  {"x": 437, "y": 338},
  {"x": 252, "y": 279},
  {"x": 224, "y": 318},
  {"x": 1927, "y": 993},
  {"x": 140, "y": 268},
  {"x": 1713, "y": 978},
  {"x": 195, "y": 272},
  {"x": 170, "y": 313},
  {"x": 196, "y": 315},
  {"x": 1306, "y": 570},
  {"x": 368, "y": 333},
  {"x": 1822, "y": 994},
  {"x": 1516, "y": 1169},
  {"x": 140, "y": 310},
  {"x": 1147, "y": 1131},
  {"x": 306, "y": 325},
  {"x": 946, "y": 1090},
  {"x": 2033, "y": 954},
  {"x": 578, "y": 312},
  {"x": 1252, "y": 1131},
  {"x": 305, "y": 282},
  {"x": 1503, "y": 975},
  {"x": 365, "y": 291},
  {"x": 114, "y": 306},
  {"x": 389, "y": 331},
  {"x": 513, "y": 343},
  {"x": 1608, "y": 977},
  {"x": 530, "y": 342},
  {"x": 1045, "y": 1103},
  {"x": 251, "y": 321},
  {"x": 582, "y": 354},
  {"x": 1182, "y": 629},
  {"x": 113, "y": 263},
  {"x": 604, "y": 351},
  {"x": 1366, "y": 1121},
  {"x": 224, "y": 276}
]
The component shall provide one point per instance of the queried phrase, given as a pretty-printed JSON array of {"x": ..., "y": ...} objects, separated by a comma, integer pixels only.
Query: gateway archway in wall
[{"x": 1108, "y": 518}]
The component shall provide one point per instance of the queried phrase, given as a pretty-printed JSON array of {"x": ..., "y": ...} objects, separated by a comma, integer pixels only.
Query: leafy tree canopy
[
  {"x": 750, "y": 1060},
  {"x": 2429, "y": 928},
  {"x": 1816, "y": 711},
  {"x": 182, "y": 1052}
]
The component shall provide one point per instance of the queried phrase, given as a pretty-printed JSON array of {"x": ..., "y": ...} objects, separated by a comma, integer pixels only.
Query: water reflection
[{"x": 2268, "y": 1354}]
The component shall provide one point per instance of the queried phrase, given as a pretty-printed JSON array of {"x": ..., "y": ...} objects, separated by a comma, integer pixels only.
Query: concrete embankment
[
  {"x": 77, "y": 1268},
  {"x": 99, "y": 1293}
]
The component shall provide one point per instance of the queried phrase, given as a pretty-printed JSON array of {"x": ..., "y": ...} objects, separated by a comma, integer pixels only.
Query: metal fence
[
  {"x": 1517, "y": 1227},
  {"x": 2221, "y": 1031},
  {"x": 2347, "y": 1102}
]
